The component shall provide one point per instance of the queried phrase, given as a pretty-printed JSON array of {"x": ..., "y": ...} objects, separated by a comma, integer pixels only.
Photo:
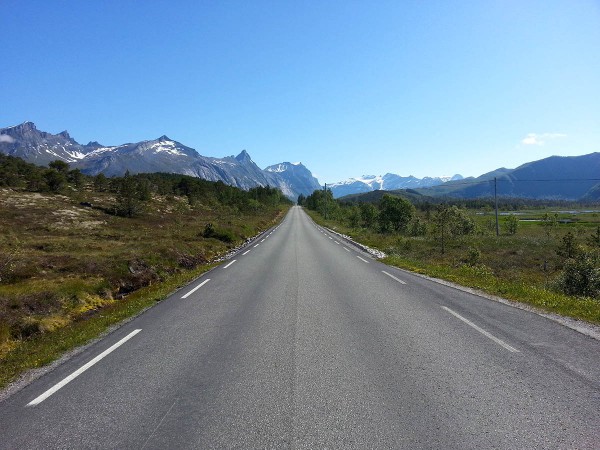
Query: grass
[
  {"x": 69, "y": 271},
  {"x": 46, "y": 347},
  {"x": 520, "y": 267}
]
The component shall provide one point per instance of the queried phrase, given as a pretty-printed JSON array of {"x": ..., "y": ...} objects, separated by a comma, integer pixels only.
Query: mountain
[
  {"x": 387, "y": 182},
  {"x": 27, "y": 142},
  {"x": 552, "y": 178},
  {"x": 296, "y": 174},
  {"x": 157, "y": 155}
]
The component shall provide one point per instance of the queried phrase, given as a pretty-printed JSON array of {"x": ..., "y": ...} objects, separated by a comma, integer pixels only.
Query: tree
[
  {"x": 395, "y": 213},
  {"x": 511, "y": 224},
  {"x": 54, "y": 180},
  {"x": 322, "y": 202},
  {"x": 568, "y": 248},
  {"x": 549, "y": 222},
  {"x": 354, "y": 216},
  {"x": 100, "y": 182},
  {"x": 128, "y": 202},
  {"x": 581, "y": 275},
  {"x": 368, "y": 214},
  {"x": 76, "y": 177},
  {"x": 594, "y": 239},
  {"x": 59, "y": 166},
  {"x": 417, "y": 227},
  {"x": 451, "y": 221}
]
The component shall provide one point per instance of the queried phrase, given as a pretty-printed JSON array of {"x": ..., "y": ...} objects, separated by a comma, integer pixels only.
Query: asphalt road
[{"x": 302, "y": 341}]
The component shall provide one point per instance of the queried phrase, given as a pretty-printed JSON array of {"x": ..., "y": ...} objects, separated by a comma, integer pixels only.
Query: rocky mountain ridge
[
  {"x": 552, "y": 178},
  {"x": 387, "y": 182},
  {"x": 157, "y": 155}
]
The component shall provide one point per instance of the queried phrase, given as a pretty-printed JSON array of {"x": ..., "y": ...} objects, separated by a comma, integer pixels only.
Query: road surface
[{"x": 302, "y": 341}]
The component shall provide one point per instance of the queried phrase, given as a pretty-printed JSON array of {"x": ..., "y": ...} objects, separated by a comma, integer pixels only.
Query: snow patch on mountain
[
  {"x": 387, "y": 182},
  {"x": 169, "y": 147}
]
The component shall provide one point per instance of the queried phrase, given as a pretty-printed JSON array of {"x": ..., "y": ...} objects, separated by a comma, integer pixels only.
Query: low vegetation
[
  {"x": 542, "y": 256},
  {"x": 79, "y": 253}
]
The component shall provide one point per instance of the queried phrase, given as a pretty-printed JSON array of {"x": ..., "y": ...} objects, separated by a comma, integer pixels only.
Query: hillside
[
  {"x": 73, "y": 245},
  {"x": 554, "y": 178}
]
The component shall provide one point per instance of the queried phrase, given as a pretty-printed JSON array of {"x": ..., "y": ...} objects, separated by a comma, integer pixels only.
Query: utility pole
[
  {"x": 325, "y": 199},
  {"x": 496, "y": 203}
]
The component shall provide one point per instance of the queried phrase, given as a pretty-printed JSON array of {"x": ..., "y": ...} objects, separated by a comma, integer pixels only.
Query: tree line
[
  {"x": 133, "y": 192},
  {"x": 445, "y": 222},
  {"x": 393, "y": 214}
]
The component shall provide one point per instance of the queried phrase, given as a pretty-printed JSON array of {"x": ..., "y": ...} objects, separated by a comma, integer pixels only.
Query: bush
[
  {"x": 473, "y": 256},
  {"x": 568, "y": 248},
  {"x": 395, "y": 213},
  {"x": 511, "y": 224},
  {"x": 581, "y": 276},
  {"x": 210, "y": 231}
]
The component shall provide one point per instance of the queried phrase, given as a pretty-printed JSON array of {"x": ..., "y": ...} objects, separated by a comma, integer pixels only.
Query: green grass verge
[
  {"x": 507, "y": 271},
  {"x": 43, "y": 349},
  {"x": 586, "y": 309}
]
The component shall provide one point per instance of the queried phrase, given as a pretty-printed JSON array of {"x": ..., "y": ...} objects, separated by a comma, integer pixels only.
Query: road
[{"x": 302, "y": 341}]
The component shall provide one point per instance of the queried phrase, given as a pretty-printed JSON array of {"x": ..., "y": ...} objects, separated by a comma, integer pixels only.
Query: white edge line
[
  {"x": 363, "y": 260},
  {"x": 196, "y": 288},
  {"x": 482, "y": 331},
  {"x": 246, "y": 252},
  {"x": 82, "y": 369},
  {"x": 225, "y": 267},
  {"x": 392, "y": 276}
]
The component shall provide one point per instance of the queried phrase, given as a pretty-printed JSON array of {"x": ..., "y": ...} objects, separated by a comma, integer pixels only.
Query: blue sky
[{"x": 424, "y": 88}]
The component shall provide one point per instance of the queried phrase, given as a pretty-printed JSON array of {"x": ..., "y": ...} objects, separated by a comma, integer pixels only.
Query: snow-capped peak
[{"x": 167, "y": 146}]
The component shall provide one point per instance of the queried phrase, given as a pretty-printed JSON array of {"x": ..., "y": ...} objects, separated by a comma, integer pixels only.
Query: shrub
[
  {"x": 223, "y": 235},
  {"x": 473, "y": 256},
  {"x": 568, "y": 248},
  {"x": 581, "y": 276},
  {"x": 395, "y": 213},
  {"x": 511, "y": 224}
]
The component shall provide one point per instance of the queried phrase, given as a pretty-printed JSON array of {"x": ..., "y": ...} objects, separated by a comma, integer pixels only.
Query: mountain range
[
  {"x": 387, "y": 182},
  {"x": 552, "y": 178},
  {"x": 556, "y": 177},
  {"x": 157, "y": 155}
]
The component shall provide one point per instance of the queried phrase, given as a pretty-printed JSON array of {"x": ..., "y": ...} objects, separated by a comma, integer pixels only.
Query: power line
[{"x": 475, "y": 183}]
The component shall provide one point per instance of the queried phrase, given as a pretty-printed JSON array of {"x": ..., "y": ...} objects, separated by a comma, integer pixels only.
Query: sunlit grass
[
  {"x": 520, "y": 267},
  {"x": 74, "y": 271}
]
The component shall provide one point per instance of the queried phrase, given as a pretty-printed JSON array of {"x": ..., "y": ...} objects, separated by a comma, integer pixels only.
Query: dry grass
[{"x": 61, "y": 262}]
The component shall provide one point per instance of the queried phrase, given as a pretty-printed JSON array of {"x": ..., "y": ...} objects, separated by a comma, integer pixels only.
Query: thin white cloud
[
  {"x": 6, "y": 138},
  {"x": 541, "y": 139}
]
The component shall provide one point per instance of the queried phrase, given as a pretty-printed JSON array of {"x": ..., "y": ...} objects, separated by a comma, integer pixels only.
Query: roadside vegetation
[
  {"x": 544, "y": 255},
  {"x": 80, "y": 253}
]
